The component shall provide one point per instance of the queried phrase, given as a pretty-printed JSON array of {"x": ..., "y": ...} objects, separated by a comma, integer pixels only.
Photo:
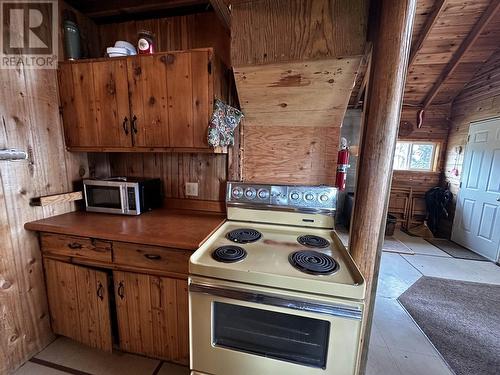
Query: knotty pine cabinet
[
  {"x": 156, "y": 102},
  {"x": 92, "y": 284},
  {"x": 152, "y": 315},
  {"x": 79, "y": 303}
]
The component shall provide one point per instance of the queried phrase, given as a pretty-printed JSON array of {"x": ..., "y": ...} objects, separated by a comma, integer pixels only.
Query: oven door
[
  {"x": 105, "y": 196},
  {"x": 253, "y": 330}
]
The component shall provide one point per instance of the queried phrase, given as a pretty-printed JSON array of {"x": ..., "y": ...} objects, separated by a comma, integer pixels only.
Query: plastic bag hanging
[{"x": 224, "y": 120}]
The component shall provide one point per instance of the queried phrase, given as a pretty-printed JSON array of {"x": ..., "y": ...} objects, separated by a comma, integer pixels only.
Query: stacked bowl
[{"x": 121, "y": 49}]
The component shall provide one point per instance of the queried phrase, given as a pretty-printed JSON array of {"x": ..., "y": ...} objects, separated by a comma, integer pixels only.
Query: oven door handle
[{"x": 278, "y": 301}]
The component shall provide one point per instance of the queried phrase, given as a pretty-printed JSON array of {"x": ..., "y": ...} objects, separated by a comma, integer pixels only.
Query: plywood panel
[
  {"x": 30, "y": 121},
  {"x": 269, "y": 31},
  {"x": 303, "y": 155},
  {"x": 313, "y": 93}
]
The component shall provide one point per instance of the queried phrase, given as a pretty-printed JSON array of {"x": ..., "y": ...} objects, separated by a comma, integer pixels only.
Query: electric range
[{"x": 274, "y": 290}]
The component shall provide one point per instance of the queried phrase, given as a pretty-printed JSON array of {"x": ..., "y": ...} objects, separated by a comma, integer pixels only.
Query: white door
[{"x": 477, "y": 217}]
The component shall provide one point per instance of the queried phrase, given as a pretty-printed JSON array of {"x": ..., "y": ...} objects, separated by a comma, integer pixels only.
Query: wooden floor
[{"x": 397, "y": 347}]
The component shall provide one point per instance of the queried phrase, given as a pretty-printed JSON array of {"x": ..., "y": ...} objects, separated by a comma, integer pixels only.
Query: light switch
[{"x": 192, "y": 189}]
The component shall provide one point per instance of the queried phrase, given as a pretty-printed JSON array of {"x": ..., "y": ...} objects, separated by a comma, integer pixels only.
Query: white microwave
[{"x": 122, "y": 195}]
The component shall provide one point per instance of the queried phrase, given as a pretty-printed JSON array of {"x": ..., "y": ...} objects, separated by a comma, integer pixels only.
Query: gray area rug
[
  {"x": 455, "y": 250},
  {"x": 462, "y": 320}
]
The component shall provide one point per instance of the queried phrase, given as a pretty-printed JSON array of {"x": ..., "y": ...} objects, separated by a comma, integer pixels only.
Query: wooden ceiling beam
[
  {"x": 362, "y": 88},
  {"x": 100, "y": 9},
  {"x": 431, "y": 21},
  {"x": 476, "y": 31},
  {"x": 223, "y": 12}
]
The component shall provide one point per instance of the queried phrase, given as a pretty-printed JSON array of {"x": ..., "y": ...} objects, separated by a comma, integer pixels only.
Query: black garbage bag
[{"x": 436, "y": 201}]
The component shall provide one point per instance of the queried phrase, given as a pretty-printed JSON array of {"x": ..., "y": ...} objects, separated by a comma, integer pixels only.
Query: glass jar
[{"x": 145, "y": 43}]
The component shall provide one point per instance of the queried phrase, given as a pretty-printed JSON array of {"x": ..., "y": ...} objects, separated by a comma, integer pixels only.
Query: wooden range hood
[{"x": 295, "y": 62}]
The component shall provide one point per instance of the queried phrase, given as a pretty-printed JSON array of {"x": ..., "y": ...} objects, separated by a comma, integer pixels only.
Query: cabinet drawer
[
  {"x": 154, "y": 257},
  {"x": 77, "y": 247}
]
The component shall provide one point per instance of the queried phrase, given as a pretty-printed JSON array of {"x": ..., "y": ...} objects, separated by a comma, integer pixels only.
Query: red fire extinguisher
[{"x": 342, "y": 165}]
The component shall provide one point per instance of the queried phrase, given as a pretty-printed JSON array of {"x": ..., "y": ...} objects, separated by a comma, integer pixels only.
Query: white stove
[{"x": 274, "y": 290}]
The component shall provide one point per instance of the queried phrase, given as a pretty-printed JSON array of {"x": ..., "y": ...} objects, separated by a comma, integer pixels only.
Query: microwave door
[{"x": 104, "y": 198}]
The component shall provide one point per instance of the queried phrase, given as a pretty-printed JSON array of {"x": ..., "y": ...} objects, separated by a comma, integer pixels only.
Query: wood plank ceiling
[{"x": 451, "y": 41}]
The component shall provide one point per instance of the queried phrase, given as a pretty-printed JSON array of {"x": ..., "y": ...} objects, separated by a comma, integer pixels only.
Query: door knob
[{"x": 498, "y": 199}]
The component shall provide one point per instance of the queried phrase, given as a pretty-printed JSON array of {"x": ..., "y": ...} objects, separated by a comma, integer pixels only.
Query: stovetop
[{"x": 304, "y": 259}]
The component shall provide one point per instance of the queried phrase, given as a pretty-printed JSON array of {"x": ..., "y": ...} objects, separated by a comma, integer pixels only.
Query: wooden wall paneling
[
  {"x": 30, "y": 121},
  {"x": 303, "y": 155},
  {"x": 175, "y": 169},
  {"x": 149, "y": 100},
  {"x": 111, "y": 95},
  {"x": 89, "y": 33},
  {"x": 306, "y": 30},
  {"x": 173, "y": 33}
]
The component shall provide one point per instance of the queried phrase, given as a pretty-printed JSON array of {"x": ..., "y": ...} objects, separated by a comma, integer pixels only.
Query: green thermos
[{"x": 72, "y": 40}]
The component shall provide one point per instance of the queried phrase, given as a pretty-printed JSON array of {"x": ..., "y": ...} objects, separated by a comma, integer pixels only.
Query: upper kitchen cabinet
[{"x": 159, "y": 102}]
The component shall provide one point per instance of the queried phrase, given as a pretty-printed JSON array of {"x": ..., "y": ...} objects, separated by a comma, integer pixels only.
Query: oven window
[
  {"x": 104, "y": 196},
  {"x": 281, "y": 336}
]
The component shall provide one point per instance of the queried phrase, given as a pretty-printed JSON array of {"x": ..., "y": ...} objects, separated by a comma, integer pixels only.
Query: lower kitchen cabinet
[
  {"x": 79, "y": 303},
  {"x": 109, "y": 294},
  {"x": 152, "y": 314}
]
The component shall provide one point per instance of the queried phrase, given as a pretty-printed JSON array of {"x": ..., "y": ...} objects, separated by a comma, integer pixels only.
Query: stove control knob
[
  {"x": 323, "y": 197},
  {"x": 309, "y": 196},
  {"x": 263, "y": 194},
  {"x": 250, "y": 193},
  {"x": 237, "y": 192},
  {"x": 295, "y": 195}
]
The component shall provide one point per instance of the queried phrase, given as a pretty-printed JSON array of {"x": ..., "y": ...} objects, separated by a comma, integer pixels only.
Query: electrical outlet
[{"x": 192, "y": 189}]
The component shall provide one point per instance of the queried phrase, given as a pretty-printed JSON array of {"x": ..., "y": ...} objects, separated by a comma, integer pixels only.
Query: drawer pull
[
  {"x": 120, "y": 291},
  {"x": 100, "y": 291},
  {"x": 75, "y": 245},
  {"x": 153, "y": 256}
]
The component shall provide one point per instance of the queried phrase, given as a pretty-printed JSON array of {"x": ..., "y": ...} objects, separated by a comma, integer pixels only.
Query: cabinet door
[
  {"x": 79, "y": 303},
  {"x": 152, "y": 315},
  {"x": 112, "y": 112},
  {"x": 76, "y": 92},
  {"x": 147, "y": 78},
  {"x": 190, "y": 96}
]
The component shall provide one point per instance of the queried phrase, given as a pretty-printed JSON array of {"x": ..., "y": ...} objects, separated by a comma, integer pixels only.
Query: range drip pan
[
  {"x": 310, "y": 240},
  {"x": 244, "y": 235},
  {"x": 229, "y": 254},
  {"x": 313, "y": 262}
]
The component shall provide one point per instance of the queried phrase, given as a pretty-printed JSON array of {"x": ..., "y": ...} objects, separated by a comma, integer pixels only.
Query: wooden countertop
[{"x": 162, "y": 227}]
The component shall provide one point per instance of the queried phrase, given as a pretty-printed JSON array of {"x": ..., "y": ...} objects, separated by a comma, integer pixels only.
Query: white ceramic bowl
[
  {"x": 116, "y": 52},
  {"x": 128, "y": 46}
]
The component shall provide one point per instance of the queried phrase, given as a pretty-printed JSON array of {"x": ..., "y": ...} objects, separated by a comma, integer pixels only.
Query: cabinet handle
[
  {"x": 120, "y": 291},
  {"x": 125, "y": 125},
  {"x": 153, "y": 256},
  {"x": 75, "y": 245},
  {"x": 134, "y": 124},
  {"x": 100, "y": 291}
]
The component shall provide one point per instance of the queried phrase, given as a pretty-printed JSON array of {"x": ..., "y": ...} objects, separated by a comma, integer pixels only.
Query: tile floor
[{"x": 397, "y": 345}]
